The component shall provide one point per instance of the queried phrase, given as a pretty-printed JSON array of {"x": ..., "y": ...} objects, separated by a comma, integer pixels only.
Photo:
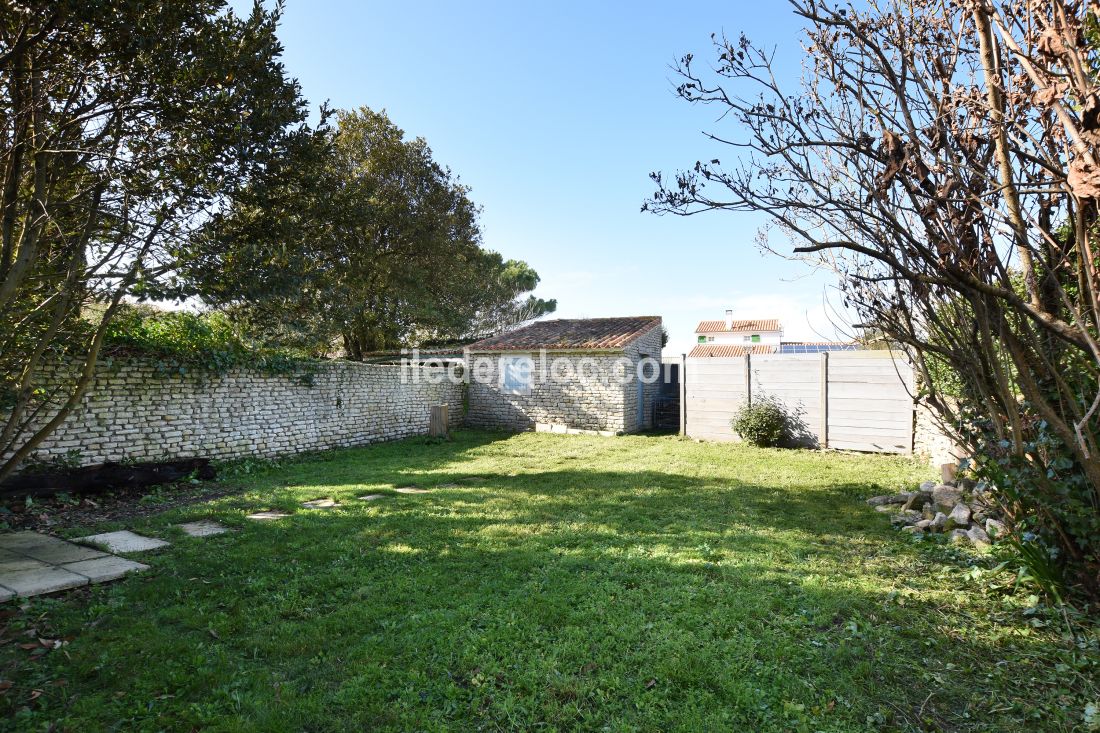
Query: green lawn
[{"x": 564, "y": 583}]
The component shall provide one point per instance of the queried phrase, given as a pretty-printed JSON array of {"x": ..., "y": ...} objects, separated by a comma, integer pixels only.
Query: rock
[
  {"x": 960, "y": 515},
  {"x": 912, "y": 529},
  {"x": 946, "y": 497},
  {"x": 917, "y": 499},
  {"x": 938, "y": 522},
  {"x": 966, "y": 484},
  {"x": 958, "y": 536},
  {"x": 888, "y": 499},
  {"x": 928, "y": 486},
  {"x": 906, "y": 517},
  {"x": 995, "y": 528},
  {"x": 978, "y": 536},
  {"x": 887, "y": 508},
  {"x": 923, "y": 524},
  {"x": 927, "y": 511}
]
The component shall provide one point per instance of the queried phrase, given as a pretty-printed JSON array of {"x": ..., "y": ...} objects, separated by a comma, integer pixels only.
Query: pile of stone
[{"x": 963, "y": 511}]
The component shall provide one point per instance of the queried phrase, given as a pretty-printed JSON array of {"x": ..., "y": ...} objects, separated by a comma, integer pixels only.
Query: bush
[
  {"x": 183, "y": 342},
  {"x": 764, "y": 423}
]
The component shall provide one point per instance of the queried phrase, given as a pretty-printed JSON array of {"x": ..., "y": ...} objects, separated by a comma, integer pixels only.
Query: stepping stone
[
  {"x": 124, "y": 541},
  {"x": 410, "y": 490},
  {"x": 267, "y": 516},
  {"x": 320, "y": 504},
  {"x": 11, "y": 562},
  {"x": 16, "y": 541},
  {"x": 49, "y": 550},
  {"x": 42, "y": 580},
  {"x": 203, "y": 528},
  {"x": 102, "y": 569},
  {"x": 372, "y": 497},
  {"x": 448, "y": 486}
]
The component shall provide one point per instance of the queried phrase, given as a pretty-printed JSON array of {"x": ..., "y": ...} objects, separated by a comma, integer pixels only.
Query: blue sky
[{"x": 554, "y": 114}]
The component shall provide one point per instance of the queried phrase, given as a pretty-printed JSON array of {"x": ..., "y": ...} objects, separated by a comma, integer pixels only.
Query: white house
[{"x": 748, "y": 332}]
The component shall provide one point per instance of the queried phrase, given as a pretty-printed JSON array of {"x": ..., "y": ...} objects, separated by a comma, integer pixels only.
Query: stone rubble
[{"x": 959, "y": 510}]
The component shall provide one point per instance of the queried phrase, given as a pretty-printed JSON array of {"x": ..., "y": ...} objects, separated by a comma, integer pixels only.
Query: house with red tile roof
[
  {"x": 737, "y": 337},
  {"x": 567, "y": 375}
]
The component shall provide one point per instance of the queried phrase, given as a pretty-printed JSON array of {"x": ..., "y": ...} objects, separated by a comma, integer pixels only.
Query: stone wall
[
  {"x": 592, "y": 401},
  {"x": 930, "y": 443},
  {"x": 648, "y": 345},
  {"x": 133, "y": 412}
]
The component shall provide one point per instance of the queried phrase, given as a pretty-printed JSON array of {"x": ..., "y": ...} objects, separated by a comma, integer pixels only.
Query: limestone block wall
[
  {"x": 591, "y": 398},
  {"x": 133, "y": 412},
  {"x": 930, "y": 442},
  {"x": 648, "y": 345}
]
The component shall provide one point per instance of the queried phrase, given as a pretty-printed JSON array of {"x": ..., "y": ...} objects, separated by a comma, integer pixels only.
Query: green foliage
[
  {"x": 763, "y": 423},
  {"x": 368, "y": 242},
  {"x": 122, "y": 125},
  {"x": 197, "y": 343},
  {"x": 1059, "y": 544}
]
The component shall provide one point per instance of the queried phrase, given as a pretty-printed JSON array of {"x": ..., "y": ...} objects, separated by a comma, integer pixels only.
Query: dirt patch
[{"x": 44, "y": 514}]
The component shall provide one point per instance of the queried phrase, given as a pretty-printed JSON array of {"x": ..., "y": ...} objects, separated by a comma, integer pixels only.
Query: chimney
[{"x": 729, "y": 320}]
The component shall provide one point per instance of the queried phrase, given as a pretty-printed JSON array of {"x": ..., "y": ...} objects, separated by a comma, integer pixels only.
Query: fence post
[
  {"x": 824, "y": 399},
  {"x": 748, "y": 378},
  {"x": 683, "y": 394},
  {"x": 437, "y": 421}
]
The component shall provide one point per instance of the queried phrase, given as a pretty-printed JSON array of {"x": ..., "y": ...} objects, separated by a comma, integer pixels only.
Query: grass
[{"x": 558, "y": 583}]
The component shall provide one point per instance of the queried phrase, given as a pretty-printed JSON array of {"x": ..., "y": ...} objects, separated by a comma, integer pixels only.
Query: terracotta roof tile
[
  {"x": 753, "y": 324},
  {"x": 571, "y": 333},
  {"x": 730, "y": 350}
]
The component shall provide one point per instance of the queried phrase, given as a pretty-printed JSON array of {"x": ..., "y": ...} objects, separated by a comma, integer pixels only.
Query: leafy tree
[
  {"x": 942, "y": 158},
  {"x": 373, "y": 245},
  {"x": 123, "y": 124}
]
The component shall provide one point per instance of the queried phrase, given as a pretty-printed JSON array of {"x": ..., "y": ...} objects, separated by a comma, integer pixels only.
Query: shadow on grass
[
  {"x": 585, "y": 598},
  {"x": 405, "y": 617}
]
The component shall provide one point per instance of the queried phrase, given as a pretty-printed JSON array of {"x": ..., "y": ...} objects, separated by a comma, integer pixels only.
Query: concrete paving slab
[
  {"x": 320, "y": 504},
  {"x": 124, "y": 541},
  {"x": 57, "y": 552},
  {"x": 102, "y": 569},
  {"x": 10, "y": 562},
  {"x": 203, "y": 528},
  {"x": 20, "y": 541},
  {"x": 267, "y": 516},
  {"x": 42, "y": 580},
  {"x": 372, "y": 497},
  {"x": 410, "y": 490}
]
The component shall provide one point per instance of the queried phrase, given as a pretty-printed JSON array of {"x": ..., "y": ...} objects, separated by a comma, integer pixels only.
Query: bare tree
[{"x": 941, "y": 156}]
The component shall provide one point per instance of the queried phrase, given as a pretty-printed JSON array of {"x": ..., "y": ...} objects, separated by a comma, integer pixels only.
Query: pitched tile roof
[
  {"x": 753, "y": 324},
  {"x": 728, "y": 350},
  {"x": 571, "y": 333}
]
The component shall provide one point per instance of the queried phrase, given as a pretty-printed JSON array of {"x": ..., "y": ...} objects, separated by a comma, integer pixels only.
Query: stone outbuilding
[{"x": 568, "y": 375}]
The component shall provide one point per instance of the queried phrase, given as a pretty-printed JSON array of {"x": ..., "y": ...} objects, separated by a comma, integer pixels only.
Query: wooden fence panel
[
  {"x": 848, "y": 400},
  {"x": 713, "y": 390},
  {"x": 870, "y": 402},
  {"x": 795, "y": 381}
]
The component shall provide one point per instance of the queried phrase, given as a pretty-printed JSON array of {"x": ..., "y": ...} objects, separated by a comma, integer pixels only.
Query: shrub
[
  {"x": 764, "y": 422},
  {"x": 183, "y": 342}
]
